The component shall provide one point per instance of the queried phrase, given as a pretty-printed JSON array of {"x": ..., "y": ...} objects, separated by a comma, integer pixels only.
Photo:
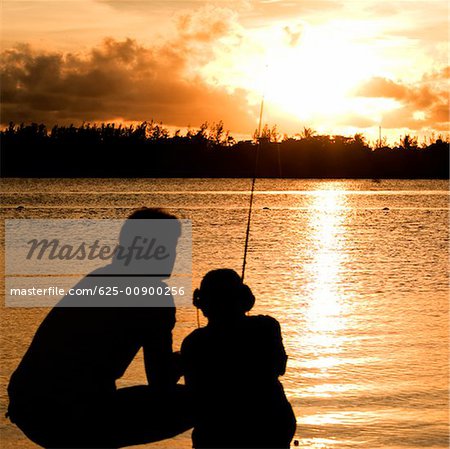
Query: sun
[
  {"x": 317, "y": 77},
  {"x": 310, "y": 74}
]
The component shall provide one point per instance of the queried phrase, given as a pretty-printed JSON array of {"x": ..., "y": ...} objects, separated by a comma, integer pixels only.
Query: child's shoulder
[
  {"x": 193, "y": 338},
  {"x": 264, "y": 320},
  {"x": 264, "y": 325}
]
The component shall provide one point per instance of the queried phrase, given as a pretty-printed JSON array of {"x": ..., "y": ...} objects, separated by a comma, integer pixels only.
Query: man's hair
[{"x": 151, "y": 213}]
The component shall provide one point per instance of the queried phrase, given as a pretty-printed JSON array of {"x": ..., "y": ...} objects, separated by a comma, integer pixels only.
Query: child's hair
[{"x": 223, "y": 292}]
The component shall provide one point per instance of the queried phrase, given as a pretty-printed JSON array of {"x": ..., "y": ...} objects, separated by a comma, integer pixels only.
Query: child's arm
[{"x": 277, "y": 353}]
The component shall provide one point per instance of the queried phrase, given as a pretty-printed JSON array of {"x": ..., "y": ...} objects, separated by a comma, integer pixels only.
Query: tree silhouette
[
  {"x": 307, "y": 133},
  {"x": 148, "y": 149},
  {"x": 408, "y": 143}
]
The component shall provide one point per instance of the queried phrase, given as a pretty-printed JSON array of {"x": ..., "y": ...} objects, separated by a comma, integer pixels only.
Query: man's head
[
  {"x": 150, "y": 235},
  {"x": 223, "y": 295},
  {"x": 149, "y": 213}
]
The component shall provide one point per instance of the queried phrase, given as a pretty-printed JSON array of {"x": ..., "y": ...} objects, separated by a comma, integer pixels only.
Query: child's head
[{"x": 223, "y": 295}]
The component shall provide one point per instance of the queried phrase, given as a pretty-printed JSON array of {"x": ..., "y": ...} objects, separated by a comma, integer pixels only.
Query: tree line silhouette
[{"x": 150, "y": 150}]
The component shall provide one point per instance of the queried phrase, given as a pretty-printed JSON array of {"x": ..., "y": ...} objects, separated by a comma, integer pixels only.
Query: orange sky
[{"x": 339, "y": 67}]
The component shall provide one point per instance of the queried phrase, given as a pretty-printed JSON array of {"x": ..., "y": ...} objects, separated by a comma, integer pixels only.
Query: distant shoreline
[{"x": 150, "y": 152}]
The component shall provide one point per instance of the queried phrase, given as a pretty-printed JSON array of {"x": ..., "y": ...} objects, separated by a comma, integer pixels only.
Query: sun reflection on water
[{"x": 325, "y": 314}]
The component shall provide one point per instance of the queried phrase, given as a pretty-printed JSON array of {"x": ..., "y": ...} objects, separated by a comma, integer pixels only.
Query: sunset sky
[{"x": 339, "y": 67}]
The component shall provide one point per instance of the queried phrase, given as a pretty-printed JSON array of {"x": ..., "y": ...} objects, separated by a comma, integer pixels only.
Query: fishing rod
[{"x": 252, "y": 191}]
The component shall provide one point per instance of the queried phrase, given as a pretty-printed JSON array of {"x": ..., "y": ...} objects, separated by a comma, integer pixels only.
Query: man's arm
[{"x": 160, "y": 361}]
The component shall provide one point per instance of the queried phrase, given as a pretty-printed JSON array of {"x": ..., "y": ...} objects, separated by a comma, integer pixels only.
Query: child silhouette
[{"x": 232, "y": 367}]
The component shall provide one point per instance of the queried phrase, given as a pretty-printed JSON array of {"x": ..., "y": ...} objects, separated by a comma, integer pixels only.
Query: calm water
[{"x": 361, "y": 292}]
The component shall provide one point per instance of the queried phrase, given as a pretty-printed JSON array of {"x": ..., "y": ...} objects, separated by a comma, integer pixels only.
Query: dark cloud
[
  {"x": 427, "y": 97},
  {"x": 120, "y": 80},
  {"x": 382, "y": 87},
  {"x": 200, "y": 32},
  {"x": 438, "y": 75}
]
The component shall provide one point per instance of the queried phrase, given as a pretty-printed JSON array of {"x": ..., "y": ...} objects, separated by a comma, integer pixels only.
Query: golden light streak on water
[{"x": 325, "y": 314}]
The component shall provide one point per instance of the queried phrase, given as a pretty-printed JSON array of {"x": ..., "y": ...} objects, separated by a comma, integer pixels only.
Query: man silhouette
[{"x": 63, "y": 393}]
